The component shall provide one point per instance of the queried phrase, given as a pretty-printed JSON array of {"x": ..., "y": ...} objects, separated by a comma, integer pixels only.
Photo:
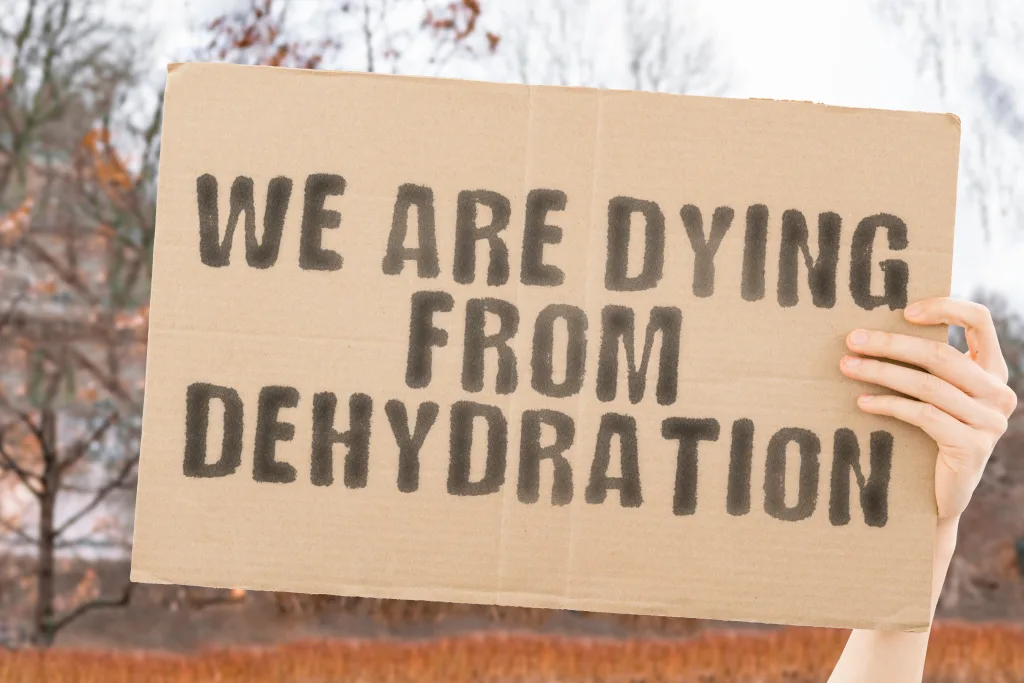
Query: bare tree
[
  {"x": 654, "y": 45},
  {"x": 668, "y": 51},
  {"x": 553, "y": 42},
  {"x": 260, "y": 32},
  {"x": 970, "y": 52},
  {"x": 390, "y": 36},
  {"x": 75, "y": 241}
]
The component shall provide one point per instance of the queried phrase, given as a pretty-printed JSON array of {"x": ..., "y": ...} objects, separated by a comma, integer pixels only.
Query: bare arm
[
  {"x": 963, "y": 403},
  {"x": 899, "y": 655}
]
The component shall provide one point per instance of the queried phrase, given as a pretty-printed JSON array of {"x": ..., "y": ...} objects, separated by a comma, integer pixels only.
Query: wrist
[{"x": 945, "y": 539}]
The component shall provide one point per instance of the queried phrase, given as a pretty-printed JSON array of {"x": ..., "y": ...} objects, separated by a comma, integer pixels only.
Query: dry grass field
[{"x": 959, "y": 654}]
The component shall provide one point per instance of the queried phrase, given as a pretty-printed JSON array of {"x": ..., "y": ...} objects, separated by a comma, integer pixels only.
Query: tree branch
[
  {"x": 36, "y": 430},
  {"x": 18, "y": 531},
  {"x": 70, "y": 277},
  {"x": 81, "y": 447},
  {"x": 100, "y": 496},
  {"x": 109, "y": 383},
  {"x": 88, "y": 542},
  {"x": 100, "y": 603},
  {"x": 13, "y": 308},
  {"x": 9, "y": 464}
]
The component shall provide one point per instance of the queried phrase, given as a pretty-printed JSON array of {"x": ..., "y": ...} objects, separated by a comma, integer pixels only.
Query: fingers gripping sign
[{"x": 961, "y": 400}]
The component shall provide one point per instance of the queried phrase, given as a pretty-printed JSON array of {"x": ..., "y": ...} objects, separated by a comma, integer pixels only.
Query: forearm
[{"x": 892, "y": 656}]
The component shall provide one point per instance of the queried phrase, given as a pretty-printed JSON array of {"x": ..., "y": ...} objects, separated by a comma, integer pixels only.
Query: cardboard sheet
[{"x": 537, "y": 346}]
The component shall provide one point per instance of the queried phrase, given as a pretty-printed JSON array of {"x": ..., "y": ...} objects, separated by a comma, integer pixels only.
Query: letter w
[{"x": 216, "y": 251}]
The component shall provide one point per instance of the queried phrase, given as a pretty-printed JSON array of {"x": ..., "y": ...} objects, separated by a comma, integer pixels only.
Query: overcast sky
[{"x": 833, "y": 51}]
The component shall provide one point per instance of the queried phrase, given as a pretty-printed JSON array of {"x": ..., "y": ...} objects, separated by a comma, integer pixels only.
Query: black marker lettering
[
  {"x": 531, "y": 453},
  {"x": 467, "y": 233},
  {"x": 705, "y": 247},
  {"x": 896, "y": 272},
  {"x": 460, "y": 447},
  {"x": 630, "y": 494},
  {"x": 316, "y": 219},
  {"x": 536, "y": 234},
  {"x": 542, "y": 363},
  {"x": 409, "y": 445},
  {"x": 357, "y": 438},
  {"x": 217, "y": 253},
  {"x": 265, "y": 466},
  {"x": 620, "y": 211},
  {"x": 689, "y": 433},
  {"x": 775, "y": 474},
  {"x": 197, "y": 423},
  {"x": 618, "y": 323},
  {"x": 425, "y": 254},
  {"x": 755, "y": 248},
  {"x": 741, "y": 454},
  {"x": 821, "y": 272},
  {"x": 264, "y": 254},
  {"x": 423, "y": 335},
  {"x": 874, "y": 492},
  {"x": 476, "y": 342}
]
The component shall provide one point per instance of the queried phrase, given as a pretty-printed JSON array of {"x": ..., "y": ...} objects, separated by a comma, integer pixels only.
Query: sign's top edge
[{"x": 174, "y": 67}]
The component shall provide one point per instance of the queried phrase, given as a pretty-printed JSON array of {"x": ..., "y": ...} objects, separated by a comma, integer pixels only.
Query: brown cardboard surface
[{"x": 673, "y": 531}]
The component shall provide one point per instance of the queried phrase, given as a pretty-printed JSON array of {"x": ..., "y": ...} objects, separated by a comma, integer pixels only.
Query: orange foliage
[
  {"x": 14, "y": 223},
  {"x": 958, "y": 654},
  {"x": 87, "y": 589},
  {"x": 22, "y": 445},
  {"x": 47, "y": 287},
  {"x": 255, "y": 35},
  {"x": 460, "y": 21},
  {"x": 88, "y": 394},
  {"x": 107, "y": 167},
  {"x": 132, "y": 320}
]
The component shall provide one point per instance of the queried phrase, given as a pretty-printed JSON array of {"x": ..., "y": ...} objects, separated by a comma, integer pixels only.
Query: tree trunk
[{"x": 45, "y": 586}]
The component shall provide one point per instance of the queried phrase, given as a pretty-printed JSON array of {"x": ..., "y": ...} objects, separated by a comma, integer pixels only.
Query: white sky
[
  {"x": 838, "y": 52},
  {"x": 832, "y": 51}
]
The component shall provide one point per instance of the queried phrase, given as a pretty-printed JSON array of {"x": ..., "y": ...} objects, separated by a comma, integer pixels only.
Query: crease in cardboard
[
  {"x": 512, "y": 401},
  {"x": 583, "y": 398}
]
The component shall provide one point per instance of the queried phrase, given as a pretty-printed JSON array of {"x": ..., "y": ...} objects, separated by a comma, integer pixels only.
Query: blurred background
[{"x": 81, "y": 86}]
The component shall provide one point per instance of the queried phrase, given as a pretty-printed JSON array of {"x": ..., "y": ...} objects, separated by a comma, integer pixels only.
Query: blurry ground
[{"x": 779, "y": 656}]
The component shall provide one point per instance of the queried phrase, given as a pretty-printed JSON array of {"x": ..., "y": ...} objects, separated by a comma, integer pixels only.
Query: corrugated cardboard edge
[
  {"x": 139, "y": 576},
  {"x": 181, "y": 66},
  {"x": 898, "y": 621}
]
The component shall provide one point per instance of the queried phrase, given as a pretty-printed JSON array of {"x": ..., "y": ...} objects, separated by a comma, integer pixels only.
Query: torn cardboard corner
[{"x": 549, "y": 347}]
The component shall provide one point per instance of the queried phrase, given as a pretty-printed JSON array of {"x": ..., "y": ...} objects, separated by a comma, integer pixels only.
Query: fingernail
[
  {"x": 864, "y": 398},
  {"x": 914, "y": 311},
  {"x": 851, "y": 362},
  {"x": 858, "y": 337}
]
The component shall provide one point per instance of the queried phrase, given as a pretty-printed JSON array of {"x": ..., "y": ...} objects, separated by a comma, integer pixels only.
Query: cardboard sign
[{"x": 537, "y": 346}]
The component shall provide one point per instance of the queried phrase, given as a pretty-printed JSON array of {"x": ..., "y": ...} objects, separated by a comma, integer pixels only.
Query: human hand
[{"x": 963, "y": 398}]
